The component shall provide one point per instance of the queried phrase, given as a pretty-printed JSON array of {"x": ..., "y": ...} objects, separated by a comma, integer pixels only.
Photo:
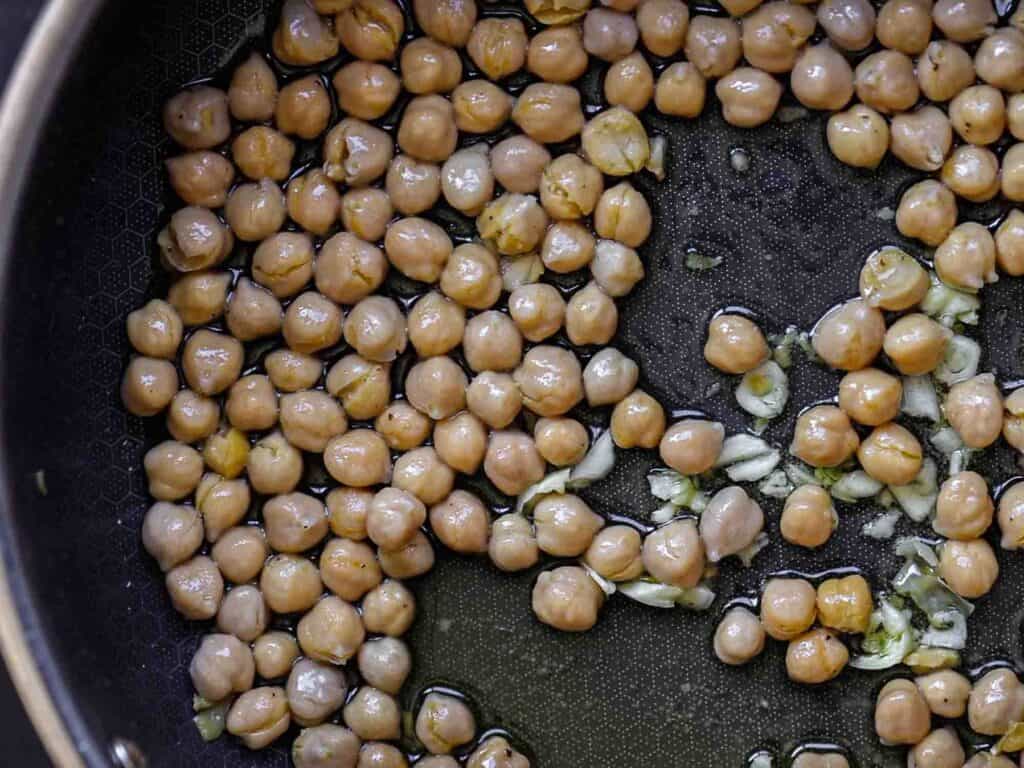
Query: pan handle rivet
[{"x": 126, "y": 753}]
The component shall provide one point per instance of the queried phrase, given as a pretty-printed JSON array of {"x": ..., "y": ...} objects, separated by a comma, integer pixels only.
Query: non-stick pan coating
[{"x": 640, "y": 690}]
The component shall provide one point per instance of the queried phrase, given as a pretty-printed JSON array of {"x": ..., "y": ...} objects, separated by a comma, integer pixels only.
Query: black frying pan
[{"x": 90, "y": 635}]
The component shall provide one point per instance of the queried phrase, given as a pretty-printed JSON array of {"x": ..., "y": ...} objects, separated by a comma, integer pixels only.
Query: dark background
[{"x": 17, "y": 739}]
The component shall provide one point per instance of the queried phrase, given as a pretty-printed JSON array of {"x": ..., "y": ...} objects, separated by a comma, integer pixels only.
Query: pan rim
[{"x": 54, "y": 40}]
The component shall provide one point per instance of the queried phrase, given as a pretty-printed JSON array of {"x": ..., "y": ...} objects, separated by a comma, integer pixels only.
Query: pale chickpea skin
[
  {"x": 200, "y": 297},
  {"x": 385, "y": 663},
  {"x": 223, "y": 503},
  {"x": 240, "y": 553},
  {"x": 422, "y": 473},
  {"x": 568, "y": 246},
  {"x": 996, "y": 702},
  {"x": 922, "y": 139},
  {"x": 845, "y": 604},
  {"x": 274, "y": 465},
  {"x": 808, "y": 517},
  {"x": 480, "y": 106},
  {"x": 461, "y": 522},
  {"x": 1013, "y": 173},
  {"x": 312, "y": 322},
  {"x": 283, "y": 263},
  {"x": 815, "y": 657},
  {"x": 373, "y": 714},
  {"x": 444, "y": 723},
  {"x": 315, "y": 690},
  {"x": 713, "y": 45},
  {"x": 561, "y": 441},
  {"x": 692, "y": 446},
  {"x": 313, "y": 201},
  {"x": 366, "y": 213},
  {"x": 999, "y": 59},
  {"x": 824, "y": 437},
  {"x": 291, "y": 371},
  {"x": 371, "y": 29},
  {"x": 436, "y": 324},
  {"x": 356, "y": 152},
  {"x": 567, "y": 599},
  {"x": 901, "y": 713},
  {"x": 428, "y": 66},
  {"x": 365, "y": 89},
  {"x": 498, "y": 46},
  {"x": 550, "y": 379},
  {"x": 749, "y": 96},
  {"x": 263, "y": 153},
  {"x": 609, "y": 35},
  {"x": 436, "y": 387},
  {"x": 615, "y": 553},
  {"x": 171, "y": 533},
  {"x": 251, "y": 404},
  {"x": 978, "y": 114},
  {"x": 1011, "y": 517},
  {"x": 197, "y": 117},
  {"x": 303, "y": 108},
  {"x": 512, "y": 462},
  {"x": 358, "y": 458},
  {"x": 253, "y": 90},
  {"x": 195, "y": 588},
  {"x": 294, "y": 522},
  {"x": 448, "y": 21},
  {"x": 348, "y": 269},
  {"x": 549, "y": 112},
  {"x": 822, "y": 78},
  {"x": 886, "y": 82},
  {"x": 608, "y": 377},
  {"x": 1009, "y": 240},
  {"x": 946, "y": 692},
  {"x": 413, "y": 186},
  {"x": 513, "y": 545},
  {"x": 155, "y": 330},
  {"x": 663, "y": 25},
  {"x": 730, "y": 523},
  {"x": 939, "y": 749},
  {"x": 892, "y": 279},
  {"x": 944, "y": 70},
  {"x": 622, "y": 214},
  {"x": 427, "y": 130},
  {"x": 972, "y": 173},
  {"x": 638, "y": 421},
  {"x": 256, "y": 211},
  {"x": 243, "y": 613},
  {"x": 788, "y": 607},
  {"x": 467, "y": 181},
  {"x": 1013, "y": 419},
  {"x": 735, "y": 344},
  {"x": 629, "y": 83},
  {"x": 349, "y": 568},
  {"x": 472, "y": 277},
  {"x": 492, "y": 342},
  {"x": 331, "y": 632},
  {"x": 309, "y": 418},
  {"x": 570, "y": 187},
  {"x": 274, "y": 653},
  {"x": 565, "y": 525},
  {"x": 518, "y": 163},
  {"x": 681, "y": 90},
  {"x": 1014, "y": 120},
  {"x": 389, "y": 609},
  {"x": 302, "y": 37},
  {"x": 538, "y": 310},
  {"x": 850, "y": 24},
  {"x": 195, "y": 239},
  {"x": 402, "y": 426},
  {"x": 915, "y": 344},
  {"x": 905, "y": 25},
  {"x": 974, "y": 409},
  {"x": 417, "y": 248},
  {"x": 870, "y": 396},
  {"x": 964, "y": 21},
  {"x": 494, "y": 751},
  {"x": 192, "y": 417},
  {"x": 849, "y": 336},
  {"x": 259, "y": 717},
  {"x": 739, "y": 637},
  {"x": 674, "y": 554},
  {"x": 927, "y": 212},
  {"x": 494, "y": 398},
  {"x": 201, "y": 178},
  {"x": 346, "y": 512},
  {"x": 461, "y": 441},
  {"x": 556, "y": 54},
  {"x": 964, "y": 509},
  {"x": 858, "y": 137},
  {"x": 968, "y": 567},
  {"x": 221, "y": 666},
  {"x": 774, "y": 33},
  {"x": 376, "y": 329},
  {"x": 211, "y": 361}
]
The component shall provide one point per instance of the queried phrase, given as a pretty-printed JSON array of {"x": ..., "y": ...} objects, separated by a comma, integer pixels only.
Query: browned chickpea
[
  {"x": 735, "y": 344},
  {"x": 201, "y": 178},
  {"x": 436, "y": 324},
  {"x": 891, "y": 454},
  {"x": 615, "y": 553},
  {"x": 674, "y": 554},
  {"x": 567, "y": 599},
  {"x": 916, "y": 344},
  {"x": 944, "y": 70},
  {"x": 663, "y": 25},
  {"x": 966, "y": 259},
  {"x": 513, "y": 546},
  {"x": 512, "y": 462},
  {"x": 472, "y": 277},
  {"x": 713, "y": 45},
  {"x": 518, "y": 163},
  {"x": 609, "y": 35},
  {"x": 927, "y": 212},
  {"x": 1009, "y": 241},
  {"x": 808, "y": 517},
  {"x": 538, "y": 310},
  {"x": 681, "y": 90},
  {"x": 870, "y": 396},
  {"x": 291, "y": 371},
  {"x": 591, "y": 316},
  {"x": 211, "y": 361},
  {"x": 494, "y": 399},
  {"x": 737, "y": 8},
  {"x": 623, "y": 215},
  {"x": 195, "y": 588},
  {"x": 568, "y": 246},
  {"x": 460, "y": 441},
  {"x": 358, "y": 458},
  {"x": 691, "y": 446},
  {"x": 972, "y": 173},
  {"x": 974, "y": 408},
  {"x": 461, "y": 522},
  {"x": 498, "y": 46},
  {"x": 417, "y": 248},
  {"x": 422, "y": 473},
  {"x": 366, "y": 89},
  {"x": 427, "y": 131},
  {"x": 922, "y": 139},
  {"x": 969, "y": 567},
  {"x": 774, "y": 34},
  {"x": 815, "y": 657},
  {"x": 303, "y": 108},
  {"x": 223, "y": 503},
  {"x": 284, "y": 263},
  {"x": 749, "y": 96},
  {"x": 363, "y": 387},
  {"x": 192, "y": 417},
  {"x": 240, "y": 553},
  {"x": 849, "y": 336},
  {"x": 788, "y": 607},
  {"x": 427, "y": 67},
  {"x": 557, "y": 11},
  {"x": 978, "y": 114},
  {"x": 194, "y": 239},
  {"x": 251, "y": 404},
  {"x": 1013, "y": 173},
  {"x": 310, "y": 418},
  {"x": 356, "y": 152},
  {"x": 570, "y": 187},
  {"x": 638, "y": 421},
  {"x": 349, "y": 269},
  {"x": 549, "y": 112},
  {"x": 253, "y": 90},
  {"x": 858, "y": 137},
  {"x": 467, "y": 180},
  {"x": 492, "y": 342},
  {"x": 402, "y": 426},
  {"x": 447, "y": 21},
  {"x": 226, "y": 451},
  {"x": 905, "y": 25},
  {"x": 561, "y": 441},
  {"x": 550, "y": 380},
  {"x": 313, "y": 201},
  {"x": 436, "y": 387},
  {"x": 850, "y": 24},
  {"x": 371, "y": 29},
  {"x": 822, "y": 78},
  {"x": 964, "y": 21},
  {"x": 824, "y": 437},
  {"x": 366, "y": 213},
  {"x": 263, "y": 153},
  {"x": 255, "y": 211},
  {"x": 964, "y": 509},
  {"x": 556, "y": 54},
  {"x": 514, "y": 223},
  {"x": 886, "y": 81},
  {"x": 629, "y": 83},
  {"x": 480, "y": 106},
  {"x": 173, "y": 470},
  {"x": 199, "y": 297},
  {"x": 302, "y": 37},
  {"x": 197, "y": 117}
]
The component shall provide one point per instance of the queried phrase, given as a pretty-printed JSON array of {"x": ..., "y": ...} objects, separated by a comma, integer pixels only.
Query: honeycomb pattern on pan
[{"x": 642, "y": 689}]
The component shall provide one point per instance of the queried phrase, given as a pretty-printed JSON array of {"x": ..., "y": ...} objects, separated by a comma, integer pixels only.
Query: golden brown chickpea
[
  {"x": 1014, "y": 121},
  {"x": 312, "y": 322},
  {"x": 274, "y": 465},
  {"x": 964, "y": 21},
  {"x": 565, "y": 525},
  {"x": 922, "y": 139},
  {"x": 538, "y": 310},
  {"x": 494, "y": 399},
  {"x": 944, "y": 70},
  {"x": 638, "y": 421},
  {"x": 197, "y": 117},
  {"x": 978, "y": 114},
  {"x": 870, "y": 396},
  {"x": 512, "y": 462},
  {"x": 251, "y": 404},
  {"x": 886, "y": 81},
  {"x": 349, "y": 269},
  {"x": 492, "y": 342},
  {"x": 1011, "y": 517},
  {"x": 255, "y": 211},
  {"x": 460, "y": 441},
  {"x": 366, "y": 89},
  {"x": 263, "y": 153},
  {"x": 513, "y": 546},
  {"x": 514, "y": 223},
  {"x": 356, "y": 152},
  {"x": 171, "y": 533},
  {"x": 968, "y": 567},
  {"x": 461, "y": 522},
  {"x": 240, "y": 553},
  {"x": 253, "y": 90},
  {"x": 892, "y": 279},
  {"x": 309, "y": 418},
  {"x": 550, "y": 379},
  {"x": 623, "y": 214},
  {"x": 692, "y": 446},
  {"x": 808, "y": 517},
  {"x": 568, "y": 246},
  {"x": 916, "y": 344},
  {"x": 966, "y": 259},
  {"x": 858, "y": 137},
  {"x": 467, "y": 180},
  {"x": 291, "y": 371},
  {"x": 422, "y": 473},
  {"x": 366, "y": 213},
  {"x": 996, "y": 702},
  {"x": 609, "y": 35},
  {"x": 713, "y": 45},
  {"x": 155, "y": 330},
  {"x": 629, "y": 83},
  {"x": 681, "y": 90},
  {"x": 427, "y": 131},
  {"x": 226, "y": 451},
  {"x": 498, "y": 46},
  {"x": 436, "y": 387},
  {"x": 739, "y": 637},
  {"x": 274, "y": 654},
  {"x": 822, "y": 78},
  {"x": 735, "y": 344},
  {"x": 663, "y": 25},
  {"x": 815, "y": 657},
  {"x": 774, "y": 34},
  {"x": 371, "y": 29},
  {"x": 194, "y": 239},
  {"x": 302, "y": 37},
  {"x": 549, "y": 112},
  {"x": 927, "y": 212},
  {"x": 972, "y": 173},
  {"x": 788, "y": 607},
  {"x": 849, "y": 336},
  {"x": 850, "y": 24},
  {"x": 471, "y": 277},
  {"x": 556, "y": 55},
  {"x": 363, "y": 387},
  {"x": 570, "y": 187},
  {"x": 1013, "y": 173},
  {"x": 567, "y": 599},
  {"x": 945, "y": 692},
  {"x": 303, "y": 108},
  {"x": 436, "y": 324},
  {"x": 313, "y": 201},
  {"x": 1009, "y": 242},
  {"x": 674, "y": 554},
  {"x": 284, "y": 263},
  {"x": 964, "y": 509},
  {"x": 417, "y": 248},
  {"x": 905, "y": 25},
  {"x": 749, "y": 97},
  {"x": 223, "y": 503},
  {"x": 199, "y": 297},
  {"x": 195, "y": 588},
  {"x": 561, "y": 441},
  {"x": 845, "y": 604},
  {"x": 557, "y": 11},
  {"x": 427, "y": 67},
  {"x": 358, "y": 458},
  {"x": 1000, "y": 59},
  {"x": 201, "y": 178},
  {"x": 480, "y": 106},
  {"x": 824, "y": 437},
  {"x": 211, "y": 362},
  {"x": 192, "y": 417},
  {"x": 447, "y": 21}
]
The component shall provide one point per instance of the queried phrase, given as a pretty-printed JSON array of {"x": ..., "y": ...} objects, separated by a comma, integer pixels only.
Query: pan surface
[{"x": 642, "y": 688}]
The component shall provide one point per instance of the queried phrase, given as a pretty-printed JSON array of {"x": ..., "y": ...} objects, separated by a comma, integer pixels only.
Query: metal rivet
[{"x": 127, "y": 754}]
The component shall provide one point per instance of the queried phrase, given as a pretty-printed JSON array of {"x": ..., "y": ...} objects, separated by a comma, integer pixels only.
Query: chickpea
[
  {"x": 414, "y": 187},
  {"x": 849, "y": 336},
  {"x": 263, "y": 153},
  {"x": 808, "y": 517},
  {"x": 444, "y": 723},
  {"x": 556, "y": 55},
  {"x": 366, "y": 213},
  {"x": 858, "y": 137},
  {"x": 713, "y": 45},
  {"x": 195, "y": 588},
  {"x": 385, "y": 663},
  {"x": 788, "y": 607},
  {"x": 568, "y": 246},
  {"x": 870, "y": 396},
  {"x": 512, "y": 462},
  {"x": 988, "y": 760},
  {"x": 155, "y": 330},
  {"x": 735, "y": 344},
  {"x": 681, "y": 90},
  {"x": 436, "y": 323},
  {"x": 561, "y": 441},
  {"x": 927, "y": 212},
  {"x": 538, "y": 310},
  {"x": 447, "y": 21},
  {"x": 944, "y": 70},
  {"x": 494, "y": 398},
  {"x": 498, "y": 46},
  {"x": 774, "y": 34},
  {"x": 379, "y": 755},
  {"x": 427, "y": 131},
  {"x": 886, "y": 81},
  {"x": 358, "y": 458},
  {"x": 1011, "y": 517},
  {"x": 471, "y": 277},
  {"x": 674, "y": 554},
  {"x": 964, "y": 508},
  {"x": 567, "y": 599},
  {"x": 1013, "y": 419},
  {"x": 998, "y": 60},
  {"x": 223, "y": 503},
  {"x": 284, "y": 263},
  {"x": 550, "y": 380},
  {"x": 945, "y": 692},
  {"x": 663, "y": 25},
  {"x": 402, "y": 426},
  {"x": 376, "y": 329},
  {"x": 349, "y": 269},
  {"x": 922, "y": 139},
  {"x": 570, "y": 187},
  {"x": 629, "y": 83},
  {"x": 622, "y": 214},
  {"x": 313, "y": 322},
  {"x": 291, "y": 371},
  {"x": 1014, "y": 119},
  {"x": 192, "y": 417},
  {"x": 691, "y": 446},
  {"x": 467, "y": 180},
  {"x": 313, "y": 201},
  {"x": 494, "y": 752},
  {"x": 365, "y": 89},
  {"x": 294, "y": 522},
  {"x": 548, "y": 112},
  {"x": 201, "y": 178},
  {"x": 969, "y": 567},
  {"x": 253, "y": 312},
  {"x": 940, "y": 749},
  {"x": 492, "y": 342},
  {"x": 252, "y": 404},
  {"x": 274, "y": 465},
  {"x": 608, "y": 377},
  {"x": 373, "y": 714},
  {"x": 513, "y": 545},
  {"x": 356, "y": 152},
  {"x": 304, "y": 108},
  {"x": 389, "y": 609},
  {"x": 422, "y": 473},
  {"x": 514, "y": 223},
  {"x": 565, "y": 525},
  {"x": 221, "y": 666},
  {"x": 315, "y": 691},
  {"x": 518, "y": 163},
  {"x": 557, "y": 11},
  {"x": 638, "y": 421},
  {"x": 195, "y": 239},
  {"x": 461, "y": 522},
  {"x": 274, "y": 653},
  {"x": 609, "y": 35},
  {"x": 815, "y": 657},
  {"x": 996, "y": 702},
  {"x": 892, "y": 279},
  {"x": 822, "y": 78},
  {"x": 615, "y": 553},
  {"x": 371, "y": 29},
  {"x": 916, "y": 344},
  {"x": 309, "y": 418},
  {"x": 616, "y": 267},
  {"x": 347, "y": 509},
  {"x": 905, "y": 25},
  {"x": 974, "y": 409},
  {"x": 436, "y": 387},
  {"x": 591, "y": 316},
  {"x": 349, "y": 568},
  {"x": 171, "y": 533},
  {"x": 331, "y": 632},
  {"x": 739, "y": 637},
  {"x": 240, "y": 553},
  {"x": 243, "y": 613},
  {"x": 845, "y": 604},
  {"x": 964, "y": 21},
  {"x": 978, "y": 114},
  {"x": 210, "y": 361},
  {"x": 417, "y": 248},
  {"x": 199, "y": 297},
  {"x": 480, "y": 106},
  {"x": 394, "y": 518},
  {"x": 850, "y": 24},
  {"x": 226, "y": 451},
  {"x": 302, "y": 37},
  {"x": 730, "y": 524},
  {"x": 428, "y": 67},
  {"x": 808, "y": 759},
  {"x": 259, "y": 717},
  {"x": 255, "y": 211},
  {"x": 972, "y": 173},
  {"x": 197, "y": 117},
  {"x": 461, "y": 441},
  {"x": 824, "y": 437}
]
